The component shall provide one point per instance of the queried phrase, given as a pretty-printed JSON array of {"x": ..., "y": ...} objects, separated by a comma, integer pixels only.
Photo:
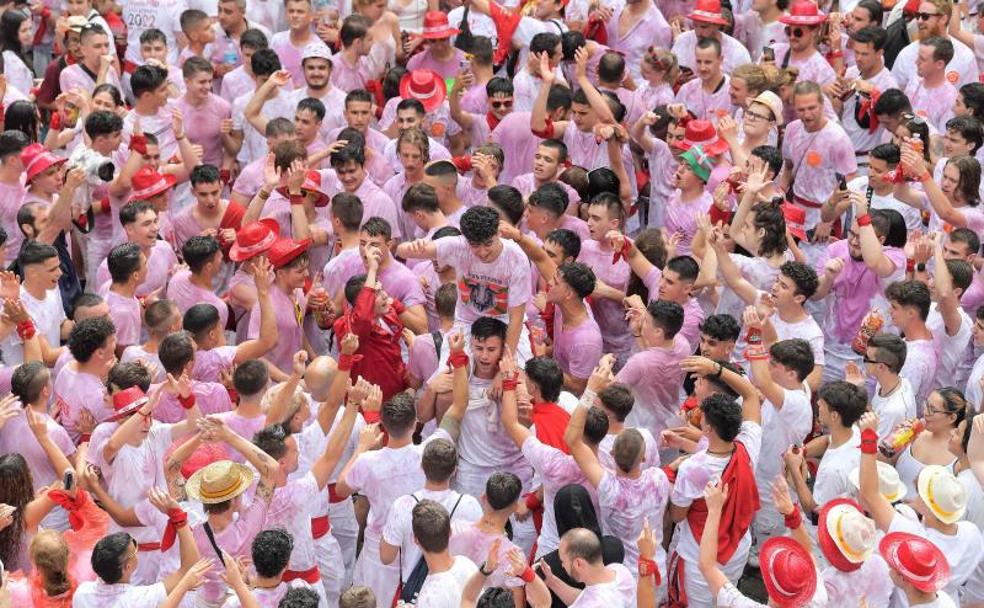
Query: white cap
[{"x": 316, "y": 50}]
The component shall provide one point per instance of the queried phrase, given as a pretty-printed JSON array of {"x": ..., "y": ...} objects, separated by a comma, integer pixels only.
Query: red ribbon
[
  {"x": 347, "y": 362},
  {"x": 869, "y": 441},
  {"x": 71, "y": 504},
  {"x": 138, "y": 143},
  {"x": 457, "y": 359},
  {"x": 176, "y": 519},
  {"x": 623, "y": 253},
  {"x": 510, "y": 384},
  {"x": 187, "y": 402},
  {"x": 26, "y": 330}
]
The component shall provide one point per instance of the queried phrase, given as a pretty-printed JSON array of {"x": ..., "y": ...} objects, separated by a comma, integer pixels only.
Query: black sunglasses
[
  {"x": 927, "y": 16},
  {"x": 502, "y": 104},
  {"x": 795, "y": 32}
]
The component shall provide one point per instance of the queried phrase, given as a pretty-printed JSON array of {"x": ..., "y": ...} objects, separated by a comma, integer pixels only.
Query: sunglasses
[
  {"x": 795, "y": 32},
  {"x": 927, "y": 16},
  {"x": 505, "y": 103}
]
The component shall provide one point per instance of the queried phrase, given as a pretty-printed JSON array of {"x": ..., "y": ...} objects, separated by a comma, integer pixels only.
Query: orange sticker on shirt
[
  {"x": 437, "y": 129},
  {"x": 813, "y": 158},
  {"x": 953, "y": 77}
]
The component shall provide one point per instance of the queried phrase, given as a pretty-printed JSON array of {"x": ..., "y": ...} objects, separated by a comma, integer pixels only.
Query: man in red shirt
[{"x": 375, "y": 318}]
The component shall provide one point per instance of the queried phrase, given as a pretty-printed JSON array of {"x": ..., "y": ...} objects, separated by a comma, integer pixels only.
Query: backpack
[{"x": 408, "y": 590}]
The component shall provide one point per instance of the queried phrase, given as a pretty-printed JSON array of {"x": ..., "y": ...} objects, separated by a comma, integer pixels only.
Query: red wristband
[
  {"x": 510, "y": 382},
  {"x": 864, "y": 220},
  {"x": 527, "y": 576},
  {"x": 296, "y": 199},
  {"x": 670, "y": 474},
  {"x": 623, "y": 253},
  {"x": 533, "y": 501},
  {"x": 648, "y": 567},
  {"x": 138, "y": 144},
  {"x": 458, "y": 359},
  {"x": 26, "y": 330},
  {"x": 793, "y": 520},
  {"x": 347, "y": 362},
  {"x": 869, "y": 441},
  {"x": 910, "y": 265},
  {"x": 187, "y": 402}
]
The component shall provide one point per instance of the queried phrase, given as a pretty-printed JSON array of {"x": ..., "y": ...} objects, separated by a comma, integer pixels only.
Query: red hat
[
  {"x": 788, "y": 572},
  {"x": 127, "y": 402},
  {"x": 916, "y": 559},
  {"x": 708, "y": 11},
  {"x": 795, "y": 220},
  {"x": 312, "y": 183},
  {"x": 436, "y": 26},
  {"x": 204, "y": 455},
  {"x": 803, "y": 12},
  {"x": 286, "y": 249},
  {"x": 148, "y": 183},
  {"x": 702, "y": 133},
  {"x": 253, "y": 239},
  {"x": 426, "y": 86},
  {"x": 37, "y": 159},
  {"x": 846, "y": 537}
]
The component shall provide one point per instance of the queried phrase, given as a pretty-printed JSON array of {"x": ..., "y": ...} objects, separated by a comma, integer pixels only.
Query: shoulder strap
[
  {"x": 438, "y": 343},
  {"x": 455, "y": 507},
  {"x": 211, "y": 541},
  {"x": 785, "y": 60}
]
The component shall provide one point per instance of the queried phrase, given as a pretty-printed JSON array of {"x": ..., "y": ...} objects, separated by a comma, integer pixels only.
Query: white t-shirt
[
  {"x": 398, "y": 530},
  {"x": 47, "y": 315},
  {"x": 620, "y": 593},
  {"x": 894, "y": 408},
  {"x": 963, "y": 550},
  {"x": 787, "y": 425},
  {"x": 443, "y": 589},
  {"x": 911, "y": 215},
  {"x": 833, "y": 473},
  {"x": 807, "y": 329},
  {"x": 952, "y": 349},
  {"x": 142, "y": 15},
  {"x": 97, "y": 594},
  {"x": 922, "y": 360}
]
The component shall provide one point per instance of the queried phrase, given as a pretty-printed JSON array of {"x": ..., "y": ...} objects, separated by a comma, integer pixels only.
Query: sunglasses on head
[
  {"x": 913, "y": 118},
  {"x": 926, "y": 16}
]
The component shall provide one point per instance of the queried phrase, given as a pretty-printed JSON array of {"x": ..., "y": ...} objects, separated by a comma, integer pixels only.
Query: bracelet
[
  {"x": 527, "y": 576},
  {"x": 296, "y": 199},
  {"x": 864, "y": 220},
  {"x": 910, "y": 265},
  {"x": 347, "y": 362},
  {"x": 458, "y": 359},
  {"x": 187, "y": 402},
  {"x": 510, "y": 384},
  {"x": 869, "y": 441},
  {"x": 263, "y": 194},
  {"x": 485, "y": 573},
  {"x": 26, "y": 330},
  {"x": 921, "y": 267},
  {"x": 835, "y": 54},
  {"x": 147, "y": 415},
  {"x": 793, "y": 519},
  {"x": 670, "y": 474},
  {"x": 648, "y": 567}
]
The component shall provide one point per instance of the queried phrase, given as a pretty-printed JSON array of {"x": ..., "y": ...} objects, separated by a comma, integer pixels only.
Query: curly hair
[{"x": 16, "y": 490}]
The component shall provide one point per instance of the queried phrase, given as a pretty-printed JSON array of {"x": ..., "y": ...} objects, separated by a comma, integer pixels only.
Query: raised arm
[
  {"x": 728, "y": 270},
  {"x": 714, "y": 496},
  {"x": 285, "y": 391},
  {"x": 915, "y": 165},
  {"x": 271, "y": 179},
  {"x": 871, "y": 248},
  {"x": 539, "y": 115},
  {"x": 759, "y": 364},
  {"x": 458, "y": 360},
  {"x": 946, "y": 299},
  {"x": 876, "y": 504},
  {"x": 596, "y": 100},
  {"x": 585, "y": 457},
  {"x": 751, "y": 404},
  {"x": 266, "y": 91},
  {"x": 60, "y": 213},
  {"x": 544, "y": 265},
  {"x": 325, "y": 464},
  {"x": 267, "y": 338},
  {"x": 510, "y": 408},
  {"x": 423, "y": 249}
]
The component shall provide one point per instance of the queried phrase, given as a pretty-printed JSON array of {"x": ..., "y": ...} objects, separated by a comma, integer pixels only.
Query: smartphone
[
  {"x": 768, "y": 54},
  {"x": 68, "y": 480},
  {"x": 841, "y": 181}
]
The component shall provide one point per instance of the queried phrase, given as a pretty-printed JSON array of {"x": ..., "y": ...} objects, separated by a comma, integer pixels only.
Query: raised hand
[
  {"x": 374, "y": 399},
  {"x": 180, "y": 386},
  {"x": 161, "y": 500},
  {"x": 370, "y": 437},
  {"x": 195, "y": 575},
  {"x": 647, "y": 540},
  {"x": 602, "y": 374},
  {"x": 456, "y": 341},
  {"x": 271, "y": 173},
  {"x": 299, "y": 363},
  {"x": 853, "y": 374},
  {"x": 780, "y": 496},
  {"x": 262, "y": 275},
  {"x": 349, "y": 344}
]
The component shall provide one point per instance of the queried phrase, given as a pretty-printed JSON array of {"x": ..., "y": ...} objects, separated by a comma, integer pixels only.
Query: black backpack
[{"x": 411, "y": 587}]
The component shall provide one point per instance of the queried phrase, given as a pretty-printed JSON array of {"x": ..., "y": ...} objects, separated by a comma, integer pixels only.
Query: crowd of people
[{"x": 600, "y": 304}]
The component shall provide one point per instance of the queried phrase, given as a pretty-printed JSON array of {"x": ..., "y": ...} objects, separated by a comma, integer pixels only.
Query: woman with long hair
[
  {"x": 20, "y": 525},
  {"x": 943, "y": 412},
  {"x": 955, "y": 199},
  {"x": 22, "y": 115},
  {"x": 16, "y": 33}
]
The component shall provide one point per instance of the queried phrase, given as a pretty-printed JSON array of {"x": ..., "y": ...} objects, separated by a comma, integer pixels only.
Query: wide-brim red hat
[
  {"x": 126, "y": 402},
  {"x": 436, "y": 26},
  {"x": 830, "y": 547},
  {"x": 708, "y": 11},
  {"x": 795, "y": 220},
  {"x": 253, "y": 239},
  {"x": 148, "y": 183},
  {"x": 426, "y": 86},
  {"x": 702, "y": 133},
  {"x": 37, "y": 159},
  {"x": 916, "y": 559},
  {"x": 312, "y": 183},
  {"x": 286, "y": 249},
  {"x": 805, "y": 13},
  {"x": 788, "y": 572}
]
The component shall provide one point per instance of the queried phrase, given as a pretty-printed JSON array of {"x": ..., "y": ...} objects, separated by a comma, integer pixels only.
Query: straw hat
[{"x": 219, "y": 482}]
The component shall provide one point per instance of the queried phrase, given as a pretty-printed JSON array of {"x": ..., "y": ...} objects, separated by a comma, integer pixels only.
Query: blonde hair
[
  {"x": 665, "y": 61},
  {"x": 415, "y": 136},
  {"x": 943, "y": 6},
  {"x": 296, "y": 401},
  {"x": 49, "y": 554},
  {"x": 758, "y": 78}
]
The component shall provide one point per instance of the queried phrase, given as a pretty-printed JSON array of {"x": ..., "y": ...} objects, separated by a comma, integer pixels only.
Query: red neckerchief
[
  {"x": 491, "y": 120},
  {"x": 550, "y": 421}
]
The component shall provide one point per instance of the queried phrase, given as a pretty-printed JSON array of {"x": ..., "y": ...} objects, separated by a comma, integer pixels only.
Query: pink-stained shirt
[
  {"x": 526, "y": 184},
  {"x": 185, "y": 294},
  {"x": 961, "y": 70},
  {"x": 209, "y": 364},
  {"x": 236, "y": 539},
  {"x": 863, "y": 139},
  {"x": 486, "y": 289},
  {"x": 626, "y": 503},
  {"x": 650, "y": 30},
  {"x": 646, "y": 97},
  {"x": 210, "y": 397},
  {"x": 757, "y": 35},
  {"x": 244, "y": 427},
  {"x": 436, "y": 151},
  {"x": 74, "y": 77},
  {"x": 235, "y": 84},
  {"x": 254, "y": 143},
  {"x": 250, "y": 179},
  {"x": 16, "y": 437},
  {"x": 202, "y": 125},
  {"x": 733, "y": 52},
  {"x": 290, "y": 55},
  {"x": 291, "y": 509},
  {"x": 395, "y": 187},
  {"x": 609, "y": 314},
  {"x": 577, "y": 349},
  {"x": 815, "y": 68},
  {"x": 585, "y": 151},
  {"x": 159, "y": 263},
  {"x": 159, "y": 125},
  {"x": 427, "y": 61},
  {"x": 424, "y": 270},
  {"x": 922, "y": 362},
  {"x": 399, "y": 281},
  {"x": 127, "y": 316},
  {"x": 11, "y": 200},
  {"x": 289, "y": 314},
  {"x": 349, "y": 77},
  {"x": 555, "y": 470},
  {"x": 693, "y": 314},
  {"x": 681, "y": 217},
  {"x": 334, "y": 101},
  {"x": 518, "y": 144},
  {"x": 655, "y": 377},
  {"x": 816, "y": 158},
  {"x": 471, "y": 542},
  {"x": 707, "y": 105},
  {"x": 376, "y": 203},
  {"x": 136, "y": 352},
  {"x": 934, "y": 104}
]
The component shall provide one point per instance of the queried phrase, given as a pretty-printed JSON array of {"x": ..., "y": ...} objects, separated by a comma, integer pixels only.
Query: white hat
[
  {"x": 889, "y": 483},
  {"x": 316, "y": 50},
  {"x": 850, "y": 531},
  {"x": 942, "y": 492}
]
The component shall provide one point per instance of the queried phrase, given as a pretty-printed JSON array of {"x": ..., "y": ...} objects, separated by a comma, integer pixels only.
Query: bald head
[{"x": 319, "y": 374}]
